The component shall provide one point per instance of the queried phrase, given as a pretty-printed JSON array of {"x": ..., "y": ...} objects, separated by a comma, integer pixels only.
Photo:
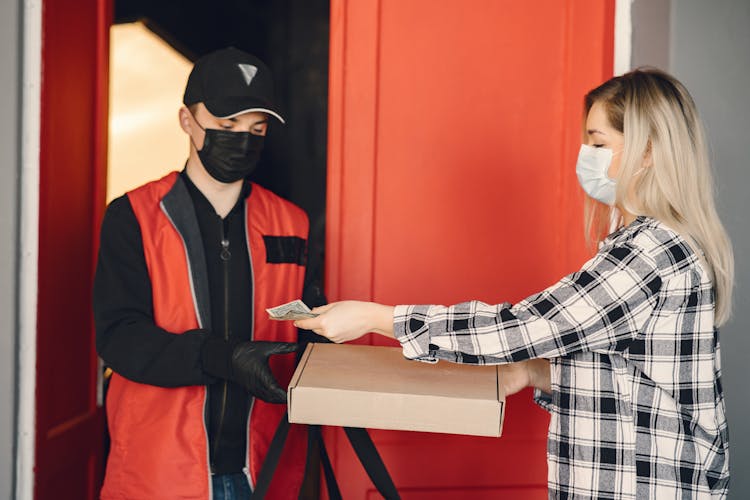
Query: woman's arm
[
  {"x": 602, "y": 306},
  {"x": 349, "y": 320}
]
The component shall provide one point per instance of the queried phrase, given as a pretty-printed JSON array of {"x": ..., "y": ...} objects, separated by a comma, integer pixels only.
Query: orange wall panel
[{"x": 453, "y": 133}]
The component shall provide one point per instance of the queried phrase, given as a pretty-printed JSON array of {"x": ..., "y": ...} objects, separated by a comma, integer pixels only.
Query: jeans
[{"x": 230, "y": 486}]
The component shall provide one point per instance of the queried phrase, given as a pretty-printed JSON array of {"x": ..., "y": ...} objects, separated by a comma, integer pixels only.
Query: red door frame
[{"x": 73, "y": 151}]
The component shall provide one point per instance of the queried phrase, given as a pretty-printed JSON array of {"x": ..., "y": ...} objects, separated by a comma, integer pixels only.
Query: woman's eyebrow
[{"x": 592, "y": 131}]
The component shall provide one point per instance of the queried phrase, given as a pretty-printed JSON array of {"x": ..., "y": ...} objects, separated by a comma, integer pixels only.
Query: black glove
[{"x": 250, "y": 368}]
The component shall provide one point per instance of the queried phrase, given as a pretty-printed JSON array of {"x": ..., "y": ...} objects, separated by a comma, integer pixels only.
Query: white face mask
[{"x": 591, "y": 168}]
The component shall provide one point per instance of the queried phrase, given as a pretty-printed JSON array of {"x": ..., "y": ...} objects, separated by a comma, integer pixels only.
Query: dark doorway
[{"x": 291, "y": 36}]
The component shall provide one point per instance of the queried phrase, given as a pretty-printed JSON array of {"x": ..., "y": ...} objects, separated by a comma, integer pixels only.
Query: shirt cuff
[
  {"x": 410, "y": 328},
  {"x": 543, "y": 399}
]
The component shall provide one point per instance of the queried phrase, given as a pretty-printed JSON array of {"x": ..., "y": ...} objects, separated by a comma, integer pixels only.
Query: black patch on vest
[{"x": 286, "y": 250}]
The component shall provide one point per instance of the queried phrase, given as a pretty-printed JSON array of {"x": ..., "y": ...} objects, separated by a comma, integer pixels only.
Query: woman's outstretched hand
[
  {"x": 529, "y": 373},
  {"x": 349, "y": 320}
]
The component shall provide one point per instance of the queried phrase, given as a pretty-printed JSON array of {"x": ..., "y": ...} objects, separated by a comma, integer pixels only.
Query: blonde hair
[{"x": 657, "y": 117}]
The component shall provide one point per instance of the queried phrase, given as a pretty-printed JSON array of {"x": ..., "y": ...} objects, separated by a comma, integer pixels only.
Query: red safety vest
[{"x": 159, "y": 442}]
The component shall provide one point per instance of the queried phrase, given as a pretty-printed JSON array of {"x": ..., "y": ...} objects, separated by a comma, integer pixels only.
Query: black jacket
[{"x": 132, "y": 345}]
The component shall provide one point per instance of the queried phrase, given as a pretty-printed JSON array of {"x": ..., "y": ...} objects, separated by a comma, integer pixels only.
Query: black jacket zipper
[{"x": 224, "y": 255}]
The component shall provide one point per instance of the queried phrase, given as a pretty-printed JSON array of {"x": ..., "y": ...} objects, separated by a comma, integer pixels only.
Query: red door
[
  {"x": 453, "y": 133},
  {"x": 69, "y": 423}
]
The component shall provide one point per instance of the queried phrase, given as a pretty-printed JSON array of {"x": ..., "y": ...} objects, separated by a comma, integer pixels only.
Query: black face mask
[{"x": 230, "y": 156}]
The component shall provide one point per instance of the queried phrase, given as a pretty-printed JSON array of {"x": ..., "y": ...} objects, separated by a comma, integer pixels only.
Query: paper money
[{"x": 295, "y": 309}]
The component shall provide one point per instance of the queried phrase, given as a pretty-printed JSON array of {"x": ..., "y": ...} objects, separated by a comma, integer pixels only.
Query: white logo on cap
[{"x": 248, "y": 72}]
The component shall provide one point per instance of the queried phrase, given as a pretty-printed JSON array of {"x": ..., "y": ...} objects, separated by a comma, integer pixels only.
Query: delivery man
[{"x": 186, "y": 267}]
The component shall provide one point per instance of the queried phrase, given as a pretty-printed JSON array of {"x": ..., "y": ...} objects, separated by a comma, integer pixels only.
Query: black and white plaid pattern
[{"x": 637, "y": 405}]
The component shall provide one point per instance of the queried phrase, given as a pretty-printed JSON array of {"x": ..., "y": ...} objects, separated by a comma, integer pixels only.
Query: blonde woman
[{"x": 625, "y": 352}]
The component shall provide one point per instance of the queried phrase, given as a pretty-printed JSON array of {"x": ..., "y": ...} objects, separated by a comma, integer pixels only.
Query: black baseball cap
[{"x": 230, "y": 82}]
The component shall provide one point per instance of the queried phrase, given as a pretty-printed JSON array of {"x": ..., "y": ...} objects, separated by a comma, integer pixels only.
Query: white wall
[
  {"x": 706, "y": 45},
  {"x": 10, "y": 78}
]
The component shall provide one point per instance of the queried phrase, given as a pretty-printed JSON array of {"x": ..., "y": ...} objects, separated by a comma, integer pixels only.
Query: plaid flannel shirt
[{"x": 637, "y": 409}]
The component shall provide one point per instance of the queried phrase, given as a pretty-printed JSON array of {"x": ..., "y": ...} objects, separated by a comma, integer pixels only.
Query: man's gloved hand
[{"x": 250, "y": 368}]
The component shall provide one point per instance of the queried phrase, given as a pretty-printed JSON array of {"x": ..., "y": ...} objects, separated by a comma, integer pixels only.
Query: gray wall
[
  {"x": 10, "y": 77},
  {"x": 709, "y": 51},
  {"x": 650, "y": 36}
]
